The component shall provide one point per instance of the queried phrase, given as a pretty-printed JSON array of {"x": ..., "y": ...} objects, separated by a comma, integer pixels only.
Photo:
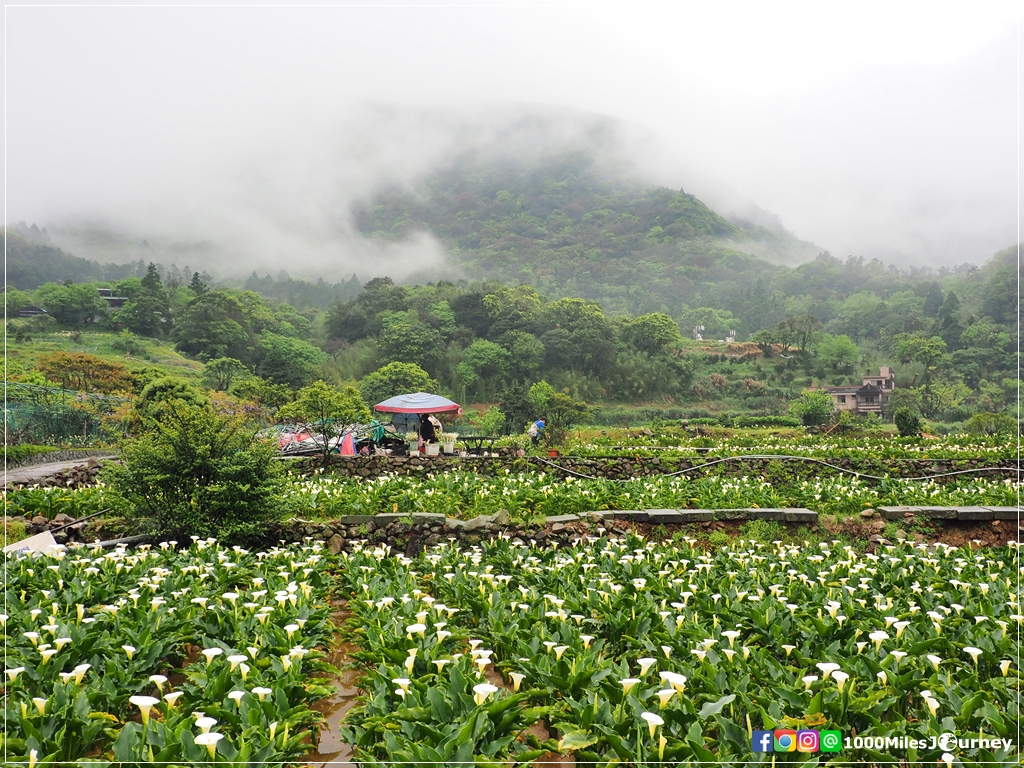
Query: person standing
[
  {"x": 427, "y": 430},
  {"x": 536, "y": 430}
]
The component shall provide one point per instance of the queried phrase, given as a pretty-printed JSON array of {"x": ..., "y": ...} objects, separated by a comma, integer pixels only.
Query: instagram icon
[{"x": 807, "y": 741}]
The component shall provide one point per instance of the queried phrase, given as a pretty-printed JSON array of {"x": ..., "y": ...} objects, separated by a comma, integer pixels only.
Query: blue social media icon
[{"x": 762, "y": 741}]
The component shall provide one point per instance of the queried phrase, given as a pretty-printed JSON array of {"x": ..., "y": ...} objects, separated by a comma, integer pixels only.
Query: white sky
[{"x": 877, "y": 129}]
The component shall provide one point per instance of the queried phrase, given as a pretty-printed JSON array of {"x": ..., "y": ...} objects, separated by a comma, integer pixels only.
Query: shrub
[
  {"x": 765, "y": 531},
  {"x": 813, "y": 408},
  {"x": 718, "y": 538},
  {"x": 907, "y": 422},
  {"x": 196, "y": 472},
  {"x": 14, "y": 530},
  {"x": 991, "y": 424}
]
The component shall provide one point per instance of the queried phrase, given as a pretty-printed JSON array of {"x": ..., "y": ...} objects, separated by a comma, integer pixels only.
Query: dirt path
[{"x": 36, "y": 472}]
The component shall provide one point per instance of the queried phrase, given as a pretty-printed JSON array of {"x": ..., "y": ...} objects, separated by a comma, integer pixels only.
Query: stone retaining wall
[
  {"x": 412, "y": 533},
  {"x": 625, "y": 467},
  {"x": 423, "y": 530}
]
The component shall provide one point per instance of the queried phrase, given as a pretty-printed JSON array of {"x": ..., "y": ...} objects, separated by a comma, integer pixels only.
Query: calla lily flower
[
  {"x": 159, "y": 680},
  {"x": 628, "y": 683},
  {"x": 517, "y": 680},
  {"x": 974, "y": 653},
  {"x": 261, "y": 692},
  {"x": 40, "y": 704},
  {"x": 1004, "y": 666},
  {"x": 665, "y": 695},
  {"x": 653, "y": 721},
  {"x": 645, "y": 665},
  {"x": 209, "y": 740},
  {"x": 205, "y": 723},
  {"x": 827, "y": 668},
  {"x": 145, "y": 704},
  {"x": 172, "y": 697},
  {"x": 808, "y": 680},
  {"x": 731, "y": 634},
  {"x": 840, "y": 677},
  {"x": 482, "y": 691},
  {"x": 13, "y": 672},
  {"x": 211, "y": 654}
]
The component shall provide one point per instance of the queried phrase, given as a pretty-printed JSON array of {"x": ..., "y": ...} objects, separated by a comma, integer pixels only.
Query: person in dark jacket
[{"x": 427, "y": 430}]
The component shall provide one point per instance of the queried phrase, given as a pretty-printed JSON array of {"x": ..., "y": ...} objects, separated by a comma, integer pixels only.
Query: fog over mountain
[{"x": 235, "y": 139}]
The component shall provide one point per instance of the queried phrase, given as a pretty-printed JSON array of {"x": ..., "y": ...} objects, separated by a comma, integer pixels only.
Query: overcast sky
[{"x": 886, "y": 129}]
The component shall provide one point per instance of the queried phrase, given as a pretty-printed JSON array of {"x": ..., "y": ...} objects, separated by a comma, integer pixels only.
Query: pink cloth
[{"x": 348, "y": 445}]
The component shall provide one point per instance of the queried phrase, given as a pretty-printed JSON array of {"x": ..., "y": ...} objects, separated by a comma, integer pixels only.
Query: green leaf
[
  {"x": 576, "y": 739},
  {"x": 713, "y": 708},
  {"x": 815, "y": 705}
]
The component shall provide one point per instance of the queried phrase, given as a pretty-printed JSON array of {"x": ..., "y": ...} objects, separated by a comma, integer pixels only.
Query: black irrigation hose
[{"x": 795, "y": 458}]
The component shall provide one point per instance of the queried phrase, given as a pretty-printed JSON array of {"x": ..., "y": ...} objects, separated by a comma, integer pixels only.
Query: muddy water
[{"x": 331, "y": 751}]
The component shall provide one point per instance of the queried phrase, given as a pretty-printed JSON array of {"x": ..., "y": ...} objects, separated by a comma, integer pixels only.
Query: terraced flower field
[
  {"x": 207, "y": 653},
  {"x": 628, "y": 651},
  {"x": 618, "y": 650},
  {"x": 527, "y": 495}
]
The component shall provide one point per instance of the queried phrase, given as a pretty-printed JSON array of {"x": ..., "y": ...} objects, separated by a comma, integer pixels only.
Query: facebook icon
[{"x": 762, "y": 741}]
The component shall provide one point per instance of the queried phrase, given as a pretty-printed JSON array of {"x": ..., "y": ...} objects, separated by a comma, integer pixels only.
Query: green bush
[
  {"x": 718, "y": 538},
  {"x": 14, "y": 530},
  {"x": 907, "y": 422},
  {"x": 765, "y": 531},
  {"x": 813, "y": 408},
  {"x": 194, "y": 472},
  {"x": 991, "y": 424}
]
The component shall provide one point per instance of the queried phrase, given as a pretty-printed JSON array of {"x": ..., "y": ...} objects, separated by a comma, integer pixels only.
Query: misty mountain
[
  {"x": 568, "y": 226},
  {"x": 30, "y": 263}
]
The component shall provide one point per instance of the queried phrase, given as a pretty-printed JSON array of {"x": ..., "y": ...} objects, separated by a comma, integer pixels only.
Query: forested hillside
[
  {"x": 30, "y": 264},
  {"x": 593, "y": 285},
  {"x": 569, "y": 229}
]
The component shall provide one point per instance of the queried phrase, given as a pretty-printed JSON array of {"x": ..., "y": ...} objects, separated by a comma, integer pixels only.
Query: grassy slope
[{"x": 162, "y": 355}]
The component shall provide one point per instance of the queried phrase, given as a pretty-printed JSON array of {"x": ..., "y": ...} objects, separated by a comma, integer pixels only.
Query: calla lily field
[
  {"x": 635, "y": 652},
  {"x": 616, "y": 650},
  {"x": 205, "y": 653}
]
